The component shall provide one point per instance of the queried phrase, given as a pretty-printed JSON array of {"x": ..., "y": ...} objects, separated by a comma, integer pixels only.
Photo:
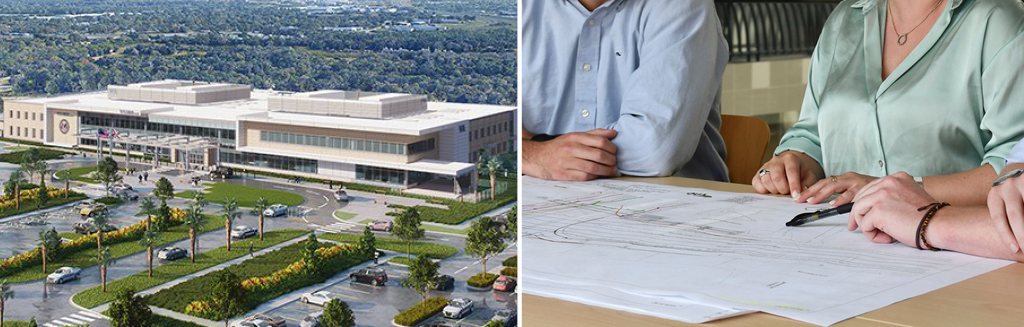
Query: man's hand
[
  {"x": 886, "y": 209},
  {"x": 572, "y": 157},
  {"x": 848, "y": 184},
  {"x": 787, "y": 173},
  {"x": 1006, "y": 206}
]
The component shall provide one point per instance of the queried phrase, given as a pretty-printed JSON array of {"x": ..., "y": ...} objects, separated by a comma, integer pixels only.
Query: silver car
[
  {"x": 275, "y": 210},
  {"x": 63, "y": 275},
  {"x": 312, "y": 320},
  {"x": 458, "y": 308},
  {"x": 505, "y": 317},
  {"x": 242, "y": 232}
]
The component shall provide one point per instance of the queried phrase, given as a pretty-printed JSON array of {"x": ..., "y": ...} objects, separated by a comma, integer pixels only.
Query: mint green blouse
[{"x": 954, "y": 104}]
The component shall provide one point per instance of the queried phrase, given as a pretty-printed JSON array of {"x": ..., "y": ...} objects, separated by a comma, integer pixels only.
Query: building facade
[{"x": 399, "y": 141}]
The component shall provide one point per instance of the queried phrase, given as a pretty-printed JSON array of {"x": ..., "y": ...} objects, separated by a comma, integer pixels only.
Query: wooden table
[{"x": 992, "y": 299}]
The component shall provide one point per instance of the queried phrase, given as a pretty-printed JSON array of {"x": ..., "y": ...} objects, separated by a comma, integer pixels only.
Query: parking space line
[{"x": 354, "y": 290}]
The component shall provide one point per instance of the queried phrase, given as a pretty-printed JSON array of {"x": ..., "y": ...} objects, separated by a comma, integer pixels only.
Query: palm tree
[
  {"x": 261, "y": 205},
  {"x": 46, "y": 240},
  {"x": 66, "y": 176},
  {"x": 105, "y": 260},
  {"x": 149, "y": 238},
  {"x": 199, "y": 199},
  {"x": 195, "y": 220},
  {"x": 16, "y": 177},
  {"x": 5, "y": 294},
  {"x": 101, "y": 222},
  {"x": 230, "y": 213},
  {"x": 491, "y": 166},
  {"x": 147, "y": 208},
  {"x": 41, "y": 169}
]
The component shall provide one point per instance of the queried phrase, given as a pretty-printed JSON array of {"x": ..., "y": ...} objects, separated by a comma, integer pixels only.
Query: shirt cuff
[
  {"x": 803, "y": 146},
  {"x": 997, "y": 163}
]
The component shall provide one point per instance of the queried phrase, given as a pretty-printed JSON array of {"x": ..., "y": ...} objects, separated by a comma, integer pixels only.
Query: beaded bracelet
[{"x": 932, "y": 208}]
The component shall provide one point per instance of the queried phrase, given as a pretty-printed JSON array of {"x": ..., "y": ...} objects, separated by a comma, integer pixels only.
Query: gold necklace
[{"x": 902, "y": 38}]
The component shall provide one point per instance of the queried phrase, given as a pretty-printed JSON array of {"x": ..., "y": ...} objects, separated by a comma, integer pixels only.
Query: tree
[
  {"x": 106, "y": 173},
  {"x": 149, "y": 238},
  {"x": 164, "y": 189},
  {"x": 195, "y": 220},
  {"x": 512, "y": 222},
  {"x": 337, "y": 314},
  {"x": 230, "y": 213},
  {"x": 422, "y": 275},
  {"x": 164, "y": 212},
  {"x": 32, "y": 322},
  {"x": 65, "y": 175},
  {"x": 407, "y": 227},
  {"x": 309, "y": 255},
  {"x": 489, "y": 166},
  {"x": 102, "y": 222},
  {"x": 49, "y": 243},
  {"x": 199, "y": 199},
  {"x": 261, "y": 205},
  {"x": 14, "y": 180},
  {"x": 42, "y": 197},
  {"x": 227, "y": 297},
  {"x": 129, "y": 310},
  {"x": 485, "y": 239},
  {"x": 105, "y": 260},
  {"x": 5, "y": 294},
  {"x": 367, "y": 243},
  {"x": 148, "y": 209}
]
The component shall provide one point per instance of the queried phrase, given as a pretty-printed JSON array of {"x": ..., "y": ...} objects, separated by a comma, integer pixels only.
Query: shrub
[
  {"x": 421, "y": 311},
  {"x": 110, "y": 201},
  {"x": 482, "y": 280},
  {"x": 510, "y": 262},
  {"x": 509, "y": 271}
]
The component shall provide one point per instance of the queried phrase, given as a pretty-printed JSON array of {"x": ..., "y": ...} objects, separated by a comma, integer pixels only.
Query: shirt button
[
  {"x": 881, "y": 163},
  {"x": 585, "y": 113},
  {"x": 591, "y": 22},
  {"x": 587, "y": 67}
]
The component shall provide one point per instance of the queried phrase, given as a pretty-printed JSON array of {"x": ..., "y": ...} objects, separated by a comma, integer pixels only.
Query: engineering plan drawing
[{"x": 697, "y": 255}]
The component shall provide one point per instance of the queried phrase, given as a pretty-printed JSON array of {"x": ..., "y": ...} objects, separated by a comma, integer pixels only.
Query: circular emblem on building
[{"x": 65, "y": 126}]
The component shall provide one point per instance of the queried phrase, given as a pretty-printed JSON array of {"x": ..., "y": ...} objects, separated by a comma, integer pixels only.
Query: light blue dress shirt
[
  {"x": 1017, "y": 155},
  {"x": 649, "y": 69}
]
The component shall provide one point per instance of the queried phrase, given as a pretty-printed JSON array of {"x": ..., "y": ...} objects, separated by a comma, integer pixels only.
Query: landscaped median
[
  {"x": 95, "y": 296},
  {"x": 264, "y": 278},
  {"x": 81, "y": 252},
  {"x": 482, "y": 280},
  {"x": 421, "y": 311},
  {"x": 458, "y": 212},
  {"x": 29, "y": 204},
  {"x": 245, "y": 195},
  {"x": 431, "y": 250},
  {"x": 511, "y": 267}
]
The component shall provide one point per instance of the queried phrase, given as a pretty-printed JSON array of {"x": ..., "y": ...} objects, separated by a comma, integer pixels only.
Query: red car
[{"x": 505, "y": 284}]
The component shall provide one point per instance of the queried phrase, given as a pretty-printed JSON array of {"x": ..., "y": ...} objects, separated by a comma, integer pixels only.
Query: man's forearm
[
  {"x": 526, "y": 135},
  {"x": 968, "y": 230},
  {"x": 969, "y": 188}
]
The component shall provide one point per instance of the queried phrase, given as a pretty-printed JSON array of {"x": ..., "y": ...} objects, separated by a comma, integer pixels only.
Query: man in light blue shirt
[{"x": 622, "y": 86}]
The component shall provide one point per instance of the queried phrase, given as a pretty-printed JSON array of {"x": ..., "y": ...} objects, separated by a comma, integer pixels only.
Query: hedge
[
  {"x": 482, "y": 280},
  {"x": 421, "y": 311},
  {"x": 509, "y": 271},
  {"x": 110, "y": 201},
  {"x": 511, "y": 261},
  {"x": 44, "y": 154}
]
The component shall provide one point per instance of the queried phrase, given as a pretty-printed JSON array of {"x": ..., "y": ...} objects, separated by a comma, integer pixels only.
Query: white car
[
  {"x": 458, "y": 308},
  {"x": 312, "y": 320},
  {"x": 275, "y": 210},
  {"x": 241, "y": 232},
  {"x": 64, "y": 274},
  {"x": 318, "y": 298}
]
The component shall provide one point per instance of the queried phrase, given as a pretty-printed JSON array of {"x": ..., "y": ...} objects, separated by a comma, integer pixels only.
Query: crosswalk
[
  {"x": 338, "y": 227},
  {"x": 81, "y": 318}
]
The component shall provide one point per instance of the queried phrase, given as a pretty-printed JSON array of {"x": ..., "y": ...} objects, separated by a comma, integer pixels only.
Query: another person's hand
[
  {"x": 848, "y": 184},
  {"x": 1006, "y": 206},
  {"x": 572, "y": 157},
  {"x": 787, "y": 173},
  {"x": 886, "y": 209}
]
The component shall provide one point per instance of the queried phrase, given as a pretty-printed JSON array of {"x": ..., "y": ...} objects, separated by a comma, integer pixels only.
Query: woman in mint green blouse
[{"x": 942, "y": 101}]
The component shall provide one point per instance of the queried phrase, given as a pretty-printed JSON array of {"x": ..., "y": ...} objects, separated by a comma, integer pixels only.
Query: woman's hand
[
  {"x": 787, "y": 173},
  {"x": 848, "y": 184},
  {"x": 1006, "y": 206},
  {"x": 886, "y": 209}
]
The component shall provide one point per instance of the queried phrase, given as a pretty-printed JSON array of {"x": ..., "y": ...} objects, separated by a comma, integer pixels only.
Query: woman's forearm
[
  {"x": 968, "y": 230},
  {"x": 968, "y": 188}
]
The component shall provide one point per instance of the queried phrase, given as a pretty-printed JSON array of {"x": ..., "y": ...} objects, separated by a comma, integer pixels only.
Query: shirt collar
[
  {"x": 608, "y": 3},
  {"x": 868, "y": 5}
]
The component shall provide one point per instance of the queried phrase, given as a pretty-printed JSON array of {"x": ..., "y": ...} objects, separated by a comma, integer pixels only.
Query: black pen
[{"x": 820, "y": 214}]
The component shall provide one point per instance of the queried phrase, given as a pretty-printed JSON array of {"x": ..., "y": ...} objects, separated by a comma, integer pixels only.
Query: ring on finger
[
  {"x": 763, "y": 172},
  {"x": 835, "y": 179}
]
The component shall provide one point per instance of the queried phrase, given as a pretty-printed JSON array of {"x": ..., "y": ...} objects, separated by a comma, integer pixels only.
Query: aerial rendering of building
[{"x": 400, "y": 141}]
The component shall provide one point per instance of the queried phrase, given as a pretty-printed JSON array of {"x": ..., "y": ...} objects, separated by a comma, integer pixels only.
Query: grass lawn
[
  {"x": 94, "y": 296},
  {"x": 246, "y": 195},
  {"x": 458, "y": 212},
  {"x": 444, "y": 229},
  {"x": 30, "y": 206},
  {"x": 345, "y": 215},
  {"x": 15, "y": 323},
  {"x": 365, "y": 221},
  {"x": 79, "y": 174},
  {"x": 16, "y": 148},
  {"x": 404, "y": 261},
  {"x": 179, "y": 296},
  {"x": 87, "y": 258},
  {"x": 432, "y": 250},
  {"x": 44, "y": 154}
]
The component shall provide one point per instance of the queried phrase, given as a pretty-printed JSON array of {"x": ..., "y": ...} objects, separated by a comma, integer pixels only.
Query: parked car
[
  {"x": 372, "y": 276},
  {"x": 318, "y": 298},
  {"x": 341, "y": 196},
  {"x": 505, "y": 317},
  {"x": 504, "y": 284},
  {"x": 458, "y": 308},
  {"x": 276, "y": 210},
  {"x": 63, "y": 275},
  {"x": 89, "y": 227},
  {"x": 242, "y": 232},
  {"x": 312, "y": 320},
  {"x": 171, "y": 253},
  {"x": 263, "y": 320},
  {"x": 444, "y": 283},
  {"x": 381, "y": 225},
  {"x": 125, "y": 194},
  {"x": 91, "y": 209}
]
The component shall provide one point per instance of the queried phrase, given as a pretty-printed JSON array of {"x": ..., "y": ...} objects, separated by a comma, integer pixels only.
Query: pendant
[{"x": 902, "y": 39}]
